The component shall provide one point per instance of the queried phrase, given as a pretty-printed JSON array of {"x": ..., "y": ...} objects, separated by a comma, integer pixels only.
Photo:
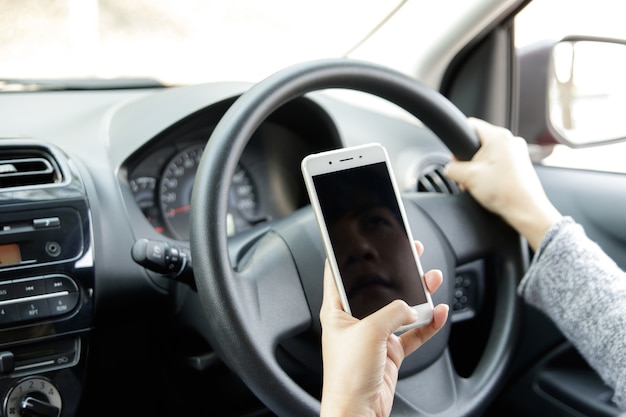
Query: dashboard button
[
  {"x": 28, "y": 288},
  {"x": 58, "y": 283},
  {"x": 46, "y": 223},
  {"x": 62, "y": 304},
  {"x": 8, "y": 291},
  {"x": 8, "y": 314},
  {"x": 33, "y": 309},
  {"x": 7, "y": 362}
]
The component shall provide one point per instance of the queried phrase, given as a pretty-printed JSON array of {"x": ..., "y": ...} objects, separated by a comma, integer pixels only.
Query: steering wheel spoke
[
  {"x": 274, "y": 298},
  {"x": 432, "y": 391}
]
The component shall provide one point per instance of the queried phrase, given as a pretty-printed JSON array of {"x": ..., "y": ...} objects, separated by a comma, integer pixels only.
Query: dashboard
[
  {"x": 267, "y": 184},
  {"x": 97, "y": 173},
  {"x": 115, "y": 168}
]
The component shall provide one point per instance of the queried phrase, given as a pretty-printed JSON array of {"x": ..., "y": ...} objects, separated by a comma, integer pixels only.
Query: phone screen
[{"x": 370, "y": 243}]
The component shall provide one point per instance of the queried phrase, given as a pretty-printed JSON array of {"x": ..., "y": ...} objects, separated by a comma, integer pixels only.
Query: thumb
[
  {"x": 456, "y": 171},
  {"x": 390, "y": 317}
]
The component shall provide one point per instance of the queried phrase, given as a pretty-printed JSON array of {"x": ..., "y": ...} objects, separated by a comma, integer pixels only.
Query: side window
[{"x": 538, "y": 26}]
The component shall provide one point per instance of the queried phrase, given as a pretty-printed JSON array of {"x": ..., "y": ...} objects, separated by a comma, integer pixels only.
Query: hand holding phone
[{"x": 365, "y": 232}]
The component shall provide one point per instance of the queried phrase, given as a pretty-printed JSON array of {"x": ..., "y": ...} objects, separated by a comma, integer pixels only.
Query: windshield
[{"x": 177, "y": 42}]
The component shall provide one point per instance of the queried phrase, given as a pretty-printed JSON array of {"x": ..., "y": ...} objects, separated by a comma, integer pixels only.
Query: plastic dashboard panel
[
  {"x": 98, "y": 137},
  {"x": 47, "y": 284}
]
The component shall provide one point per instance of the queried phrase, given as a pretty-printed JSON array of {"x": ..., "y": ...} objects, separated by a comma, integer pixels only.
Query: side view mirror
[{"x": 586, "y": 90}]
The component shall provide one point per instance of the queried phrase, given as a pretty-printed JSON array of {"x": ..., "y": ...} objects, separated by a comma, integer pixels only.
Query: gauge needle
[{"x": 174, "y": 212}]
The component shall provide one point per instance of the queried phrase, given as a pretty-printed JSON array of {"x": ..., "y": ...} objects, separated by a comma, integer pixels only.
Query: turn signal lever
[{"x": 164, "y": 258}]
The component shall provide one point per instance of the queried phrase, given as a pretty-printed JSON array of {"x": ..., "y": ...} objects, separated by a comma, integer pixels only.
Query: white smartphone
[{"x": 365, "y": 231}]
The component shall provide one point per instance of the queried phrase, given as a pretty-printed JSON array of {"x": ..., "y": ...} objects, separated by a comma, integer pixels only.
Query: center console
[{"x": 46, "y": 280}]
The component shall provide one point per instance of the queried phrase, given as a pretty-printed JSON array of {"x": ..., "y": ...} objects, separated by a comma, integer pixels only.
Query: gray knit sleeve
[{"x": 583, "y": 291}]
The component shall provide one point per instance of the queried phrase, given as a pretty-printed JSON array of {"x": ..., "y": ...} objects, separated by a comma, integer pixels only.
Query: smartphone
[{"x": 366, "y": 235}]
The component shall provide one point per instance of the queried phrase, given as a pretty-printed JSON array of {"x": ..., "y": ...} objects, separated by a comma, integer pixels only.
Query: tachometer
[
  {"x": 143, "y": 189},
  {"x": 175, "y": 194},
  {"x": 242, "y": 202}
]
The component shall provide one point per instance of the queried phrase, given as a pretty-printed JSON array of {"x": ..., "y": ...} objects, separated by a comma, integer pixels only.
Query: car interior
[{"x": 123, "y": 293}]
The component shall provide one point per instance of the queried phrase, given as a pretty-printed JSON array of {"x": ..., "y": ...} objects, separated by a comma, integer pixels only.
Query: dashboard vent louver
[
  {"x": 27, "y": 167},
  {"x": 434, "y": 180}
]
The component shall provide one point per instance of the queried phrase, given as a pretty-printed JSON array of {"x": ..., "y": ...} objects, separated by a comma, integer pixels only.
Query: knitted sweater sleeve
[{"x": 583, "y": 291}]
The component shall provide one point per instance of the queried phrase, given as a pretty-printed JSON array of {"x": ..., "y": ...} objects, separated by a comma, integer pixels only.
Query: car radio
[{"x": 38, "y": 237}]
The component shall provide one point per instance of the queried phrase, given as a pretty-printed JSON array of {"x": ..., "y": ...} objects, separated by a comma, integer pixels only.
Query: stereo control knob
[{"x": 33, "y": 397}]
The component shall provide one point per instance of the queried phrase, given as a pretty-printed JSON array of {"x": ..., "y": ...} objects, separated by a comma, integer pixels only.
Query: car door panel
[
  {"x": 549, "y": 376},
  {"x": 597, "y": 200}
]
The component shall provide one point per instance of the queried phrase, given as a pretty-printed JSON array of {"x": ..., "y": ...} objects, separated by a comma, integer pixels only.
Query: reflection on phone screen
[{"x": 372, "y": 249}]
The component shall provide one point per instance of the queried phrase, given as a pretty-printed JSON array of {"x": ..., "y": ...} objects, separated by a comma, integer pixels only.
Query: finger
[
  {"x": 457, "y": 171},
  {"x": 413, "y": 339},
  {"x": 420, "y": 248},
  {"x": 390, "y": 317},
  {"x": 330, "y": 299},
  {"x": 440, "y": 315},
  {"x": 482, "y": 128},
  {"x": 433, "y": 280},
  {"x": 488, "y": 132}
]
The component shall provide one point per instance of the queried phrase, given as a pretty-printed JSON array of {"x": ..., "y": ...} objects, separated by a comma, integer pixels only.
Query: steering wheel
[{"x": 262, "y": 291}]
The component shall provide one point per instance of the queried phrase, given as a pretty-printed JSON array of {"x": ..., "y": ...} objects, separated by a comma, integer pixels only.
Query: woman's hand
[
  {"x": 362, "y": 357},
  {"x": 502, "y": 178}
]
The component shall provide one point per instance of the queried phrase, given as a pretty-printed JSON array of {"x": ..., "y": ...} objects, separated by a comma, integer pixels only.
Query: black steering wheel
[{"x": 262, "y": 292}]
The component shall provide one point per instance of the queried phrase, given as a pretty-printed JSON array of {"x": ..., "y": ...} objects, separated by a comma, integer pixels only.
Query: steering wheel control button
[
  {"x": 33, "y": 396},
  {"x": 466, "y": 297}
]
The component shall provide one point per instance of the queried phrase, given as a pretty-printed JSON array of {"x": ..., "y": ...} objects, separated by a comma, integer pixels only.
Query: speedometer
[{"x": 175, "y": 194}]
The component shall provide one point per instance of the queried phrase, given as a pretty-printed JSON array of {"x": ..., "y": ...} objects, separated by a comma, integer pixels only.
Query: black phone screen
[{"x": 369, "y": 240}]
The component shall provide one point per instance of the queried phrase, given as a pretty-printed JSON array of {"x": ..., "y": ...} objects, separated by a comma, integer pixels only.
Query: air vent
[
  {"x": 434, "y": 180},
  {"x": 27, "y": 167}
]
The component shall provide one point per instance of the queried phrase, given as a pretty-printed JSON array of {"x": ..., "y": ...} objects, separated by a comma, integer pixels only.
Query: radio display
[{"x": 10, "y": 254}]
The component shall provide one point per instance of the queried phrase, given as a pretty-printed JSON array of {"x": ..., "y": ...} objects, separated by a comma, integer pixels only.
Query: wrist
[
  {"x": 342, "y": 403},
  {"x": 331, "y": 408},
  {"x": 534, "y": 222}
]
